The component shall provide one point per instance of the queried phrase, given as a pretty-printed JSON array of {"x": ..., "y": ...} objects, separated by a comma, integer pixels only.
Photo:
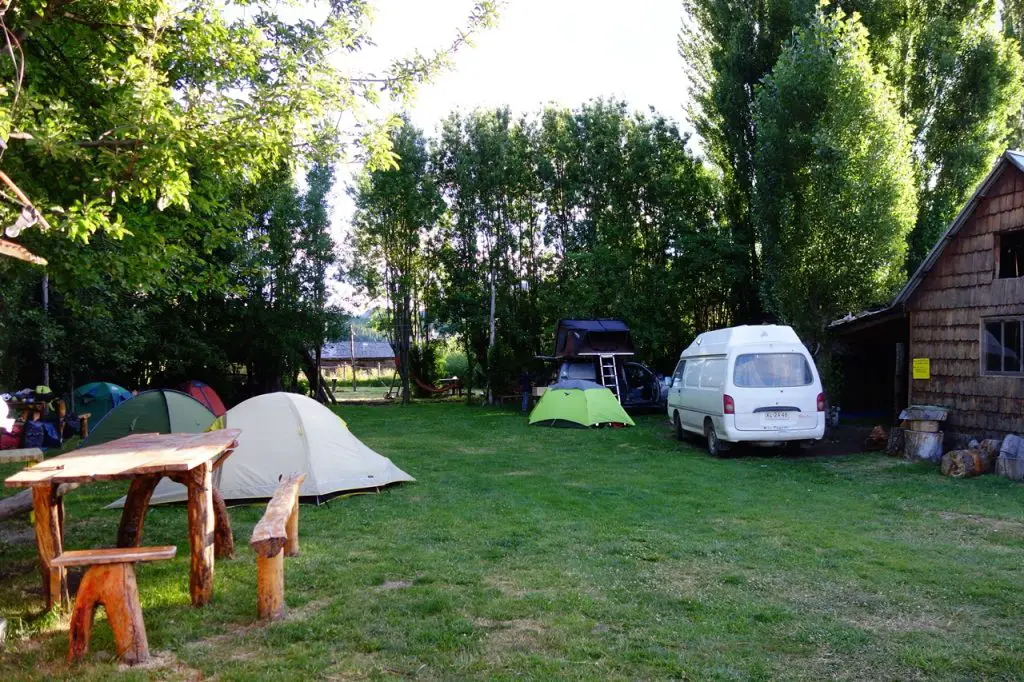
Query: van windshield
[{"x": 771, "y": 370}]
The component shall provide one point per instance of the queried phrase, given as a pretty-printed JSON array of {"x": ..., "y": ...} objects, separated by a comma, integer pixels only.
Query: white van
[{"x": 754, "y": 384}]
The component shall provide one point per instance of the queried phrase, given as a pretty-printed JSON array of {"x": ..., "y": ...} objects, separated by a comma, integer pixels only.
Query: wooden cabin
[
  {"x": 371, "y": 357},
  {"x": 960, "y": 317}
]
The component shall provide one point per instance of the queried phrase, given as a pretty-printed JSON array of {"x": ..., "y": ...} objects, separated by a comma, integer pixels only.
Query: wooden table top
[{"x": 129, "y": 457}]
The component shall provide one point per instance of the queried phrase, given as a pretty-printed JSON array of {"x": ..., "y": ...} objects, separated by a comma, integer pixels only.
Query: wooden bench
[
  {"x": 276, "y": 535},
  {"x": 110, "y": 582},
  {"x": 83, "y": 425},
  {"x": 21, "y": 455}
]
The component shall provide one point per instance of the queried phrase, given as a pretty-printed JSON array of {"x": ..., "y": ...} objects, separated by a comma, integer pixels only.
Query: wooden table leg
[
  {"x": 133, "y": 518},
  {"x": 47, "y": 507},
  {"x": 223, "y": 539},
  {"x": 201, "y": 524}
]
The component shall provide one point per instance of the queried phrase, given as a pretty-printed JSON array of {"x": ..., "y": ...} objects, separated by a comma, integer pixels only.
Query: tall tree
[
  {"x": 107, "y": 105},
  {"x": 316, "y": 247},
  {"x": 835, "y": 191},
  {"x": 396, "y": 208},
  {"x": 956, "y": 79}
]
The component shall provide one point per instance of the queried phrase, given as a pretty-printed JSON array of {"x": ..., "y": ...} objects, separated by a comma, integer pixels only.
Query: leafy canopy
[{"x": 835, "y": 197}]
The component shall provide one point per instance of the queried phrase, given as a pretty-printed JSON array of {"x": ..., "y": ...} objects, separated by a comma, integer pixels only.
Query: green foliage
[
  {"x": 835, "y": 197},
  {"x": 120, "y": 98},
  {"x": 593, "y": 212},
  {"x": 456, "y": 364},
  {"x": 396, "y": 209},
  {"x": 503, "y": 368},
  {"x": 161, "y": 138},
  {"x": 423, "y": 361}
]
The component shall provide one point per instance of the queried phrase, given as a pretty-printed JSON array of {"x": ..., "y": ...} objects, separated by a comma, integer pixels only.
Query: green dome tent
[
  {"x": 158, "y": 411},
  {"x": 578, "y": 403},
  {"x": 99, "y": 398}
]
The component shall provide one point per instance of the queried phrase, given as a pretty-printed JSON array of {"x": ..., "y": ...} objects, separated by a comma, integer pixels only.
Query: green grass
[{"x": 525, "y": 552}]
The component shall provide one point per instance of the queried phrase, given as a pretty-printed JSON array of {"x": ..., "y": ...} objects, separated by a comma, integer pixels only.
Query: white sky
[{"x": 563, "y": 52}]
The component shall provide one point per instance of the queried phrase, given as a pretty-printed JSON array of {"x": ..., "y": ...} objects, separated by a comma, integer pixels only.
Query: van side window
[
  {"x": 677, "y": 376},
  {"x": 691, "y": 375},
  {"x": 713, "y": 375}
]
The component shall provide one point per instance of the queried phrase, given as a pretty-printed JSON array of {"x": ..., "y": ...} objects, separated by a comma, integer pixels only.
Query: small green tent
[
  {"x": 158, "y": 411},
  {"x": 99, "y": 398},
  {"x": 578, "y": 403}
]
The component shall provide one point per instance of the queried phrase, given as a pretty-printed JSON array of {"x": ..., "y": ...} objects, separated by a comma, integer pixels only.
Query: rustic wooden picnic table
[{"x": 142, "y": 459}]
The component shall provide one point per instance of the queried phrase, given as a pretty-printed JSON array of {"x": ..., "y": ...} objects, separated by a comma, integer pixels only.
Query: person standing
[{"x": 524, "y": 388}]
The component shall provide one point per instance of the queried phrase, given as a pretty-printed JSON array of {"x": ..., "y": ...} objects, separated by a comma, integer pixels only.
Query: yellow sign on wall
[{"x": 922, "y": 368}]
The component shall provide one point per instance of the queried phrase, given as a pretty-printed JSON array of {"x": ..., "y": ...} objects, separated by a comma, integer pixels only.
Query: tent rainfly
[
  {"x": 158, "y": 411},
  {"x": 285, "y": 433},
  {"x": 99, "y": 398},
  {"x": 576, "y": 402},
  {"x": 205, "y": 394}
]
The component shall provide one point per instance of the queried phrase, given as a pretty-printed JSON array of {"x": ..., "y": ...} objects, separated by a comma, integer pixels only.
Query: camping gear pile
[
  {"x": 578, "y": 403},
  {"x": 39, "y": 419}
]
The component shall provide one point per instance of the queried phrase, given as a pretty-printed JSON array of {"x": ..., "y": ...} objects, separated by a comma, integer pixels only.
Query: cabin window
[
  {"x": 1011, "y": 254},
  {"x": 1001, "y": 346}
]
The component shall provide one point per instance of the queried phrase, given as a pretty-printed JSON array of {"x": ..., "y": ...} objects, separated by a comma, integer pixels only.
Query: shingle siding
[{"x": 946, "y": 311}]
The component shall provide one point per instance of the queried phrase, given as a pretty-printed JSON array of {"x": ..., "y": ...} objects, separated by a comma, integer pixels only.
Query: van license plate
[{"x": 777, "y": 416}]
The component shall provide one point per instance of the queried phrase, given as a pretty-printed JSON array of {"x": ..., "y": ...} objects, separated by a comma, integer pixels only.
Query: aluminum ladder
[{"x": 609, "y": 377}]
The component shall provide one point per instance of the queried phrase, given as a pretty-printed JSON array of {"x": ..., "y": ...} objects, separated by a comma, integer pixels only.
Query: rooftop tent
[
  {"x": 578, "y": 403},
  {"x": 574, "y": 338},
  {"x": 158, "y": 411},
  {"x": 290, "y": 433},
  {"x": 205, "y": 394},
  {"x": 98, "y": 398}
]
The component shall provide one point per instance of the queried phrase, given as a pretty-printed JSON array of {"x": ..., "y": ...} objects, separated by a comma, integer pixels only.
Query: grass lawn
[{"x": 525, "y": 552}]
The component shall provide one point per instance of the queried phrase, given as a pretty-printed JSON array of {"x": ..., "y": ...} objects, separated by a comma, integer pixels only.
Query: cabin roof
[
  {"x": 863, "y": 319},
  {"x": 1007, "y": 159}
]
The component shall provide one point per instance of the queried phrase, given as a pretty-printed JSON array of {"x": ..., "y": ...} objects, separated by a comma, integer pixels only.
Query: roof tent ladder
[{"x": 609, "y": 377}]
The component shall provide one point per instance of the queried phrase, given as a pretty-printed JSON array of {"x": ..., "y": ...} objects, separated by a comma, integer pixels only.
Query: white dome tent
[{"x": 289, "y": 433}]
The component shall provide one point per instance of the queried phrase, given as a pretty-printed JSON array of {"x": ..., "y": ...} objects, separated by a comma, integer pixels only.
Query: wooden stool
[
  {"x": 110, "y": 582},
  {"x": 276, "y": 535}
]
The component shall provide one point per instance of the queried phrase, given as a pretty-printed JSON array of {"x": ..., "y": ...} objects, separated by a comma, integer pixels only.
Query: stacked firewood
[{"x": 975, "y": 461}]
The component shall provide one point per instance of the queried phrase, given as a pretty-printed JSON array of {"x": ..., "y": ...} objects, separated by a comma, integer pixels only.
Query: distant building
[
  {"x": 371, "y": 356},
  {"x": 953, "y": 336}
]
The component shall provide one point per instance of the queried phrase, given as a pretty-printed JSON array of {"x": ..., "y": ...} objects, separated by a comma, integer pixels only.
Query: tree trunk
[
  {"x": 490, "y": 339},
  {"x": 404, "y": 322}
]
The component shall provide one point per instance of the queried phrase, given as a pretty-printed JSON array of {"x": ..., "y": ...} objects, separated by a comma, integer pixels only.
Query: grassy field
[{"x": 562, "y": 554}]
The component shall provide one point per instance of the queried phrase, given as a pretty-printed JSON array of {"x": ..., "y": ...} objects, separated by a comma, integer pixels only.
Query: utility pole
[
  {"x": 46, "y": 313},
  {"x": 490, "y": 342}
]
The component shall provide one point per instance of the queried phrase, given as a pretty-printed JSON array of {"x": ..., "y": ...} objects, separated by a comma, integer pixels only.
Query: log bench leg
[
  {"x": 270, "y": 586},
  {"x": 113, "y": 586},
  {"x": 291, "y": 543}
]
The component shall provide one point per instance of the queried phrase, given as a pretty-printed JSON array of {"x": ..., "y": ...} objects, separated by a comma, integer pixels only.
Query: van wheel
[
  {"x": 715, "y": 447},
  {"x": 679, "y": 426}
]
